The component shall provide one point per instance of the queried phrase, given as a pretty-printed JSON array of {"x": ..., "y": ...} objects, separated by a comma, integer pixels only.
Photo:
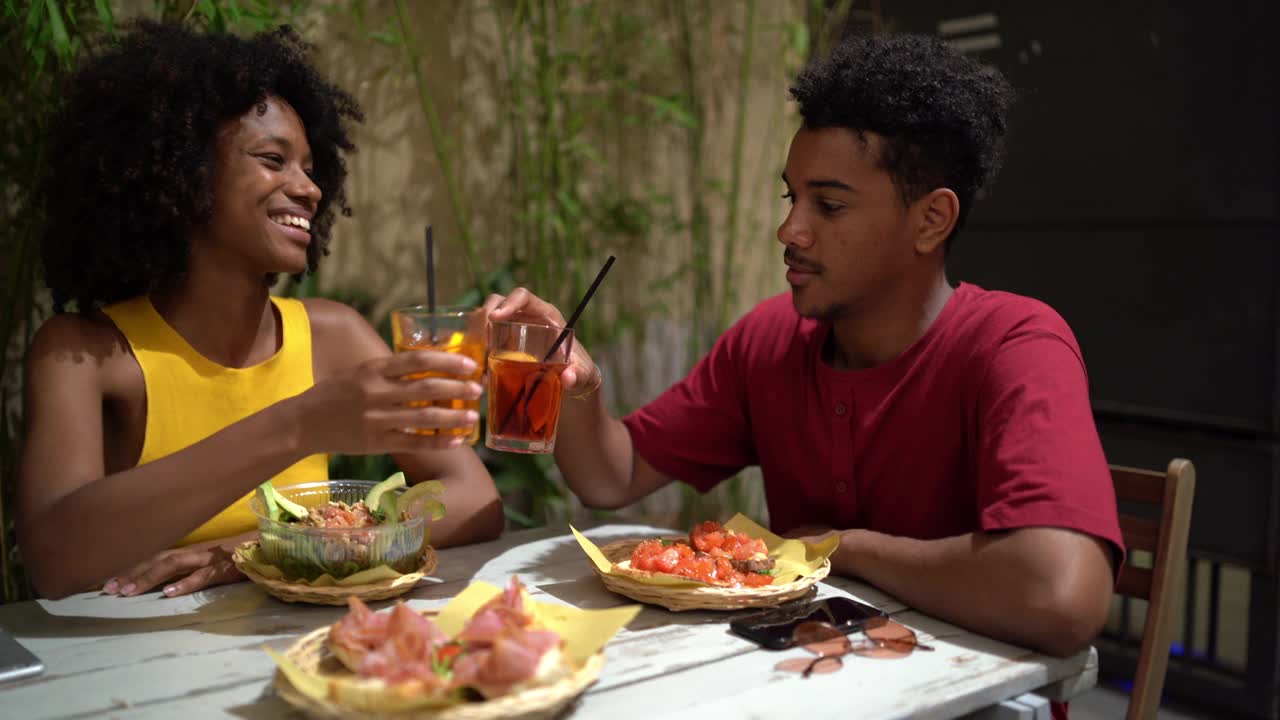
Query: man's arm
[
  {"x": 597, "y": 458},
  {"x": 1045, "y": 588},
  {"x": 593, "y": 449},
  {"x": 1037, "y": 570}
]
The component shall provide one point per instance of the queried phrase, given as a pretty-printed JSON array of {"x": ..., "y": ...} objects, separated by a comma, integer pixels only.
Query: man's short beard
[{"x": 827, "y": 314}]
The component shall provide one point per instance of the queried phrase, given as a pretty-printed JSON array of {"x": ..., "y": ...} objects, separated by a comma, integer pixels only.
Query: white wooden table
[{"x": 201, "y": 655}]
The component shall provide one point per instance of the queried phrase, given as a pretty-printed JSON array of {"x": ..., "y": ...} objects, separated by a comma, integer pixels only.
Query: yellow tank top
[{"x": 190, "y": 397}]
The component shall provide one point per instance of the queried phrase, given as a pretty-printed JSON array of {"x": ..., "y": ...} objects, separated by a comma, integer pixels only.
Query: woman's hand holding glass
[
  {"x": 366, "y": 410},
  {"x": 453, "y": 329}
]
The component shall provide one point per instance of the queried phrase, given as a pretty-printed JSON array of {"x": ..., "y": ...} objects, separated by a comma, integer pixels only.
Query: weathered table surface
[{"x": 201, "y": 655}]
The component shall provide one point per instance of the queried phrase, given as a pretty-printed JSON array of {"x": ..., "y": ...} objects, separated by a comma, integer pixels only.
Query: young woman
[{"x": 187, "y": 172}]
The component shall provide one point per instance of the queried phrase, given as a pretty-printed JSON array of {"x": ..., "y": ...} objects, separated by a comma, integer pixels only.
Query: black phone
[
  {"x": 16, "y": 661},
  {"x": 772, "y": 628}
]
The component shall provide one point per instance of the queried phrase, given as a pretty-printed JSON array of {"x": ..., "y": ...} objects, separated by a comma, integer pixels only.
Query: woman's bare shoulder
[
  {"x": 340, "y": 335},
  {"x": 331, "y": 316},
  {"x": 77, "y": 338}
]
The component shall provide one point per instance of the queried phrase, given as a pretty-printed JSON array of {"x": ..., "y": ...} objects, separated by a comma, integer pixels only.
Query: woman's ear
[{"x": 936, "y": 215}]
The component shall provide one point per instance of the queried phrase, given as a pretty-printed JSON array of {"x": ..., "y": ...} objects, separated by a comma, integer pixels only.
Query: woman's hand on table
[
  {"x": 582, "y": 377},
  {"x": 190, "y": 568}
]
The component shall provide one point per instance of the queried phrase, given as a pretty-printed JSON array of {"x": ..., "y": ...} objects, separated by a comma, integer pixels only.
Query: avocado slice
[
  {"x": 374, "y": 498},
  {"x": 387, "y": 508},
  {"x": 269, "y": 501},
  {"x": 289, "y": 508},
  {"x": 426, "y": 494},
  {"x": 280, "y": 507}
]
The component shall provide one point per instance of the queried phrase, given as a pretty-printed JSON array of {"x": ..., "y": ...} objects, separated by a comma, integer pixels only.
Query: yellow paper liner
[
  {"x": 799, "y": 567},
  {"x": 380, "y": 583},
  {"x": 312, "y": 679},
  {"x": 547, "y": 701},
  {"x": 701, "y": 596}
]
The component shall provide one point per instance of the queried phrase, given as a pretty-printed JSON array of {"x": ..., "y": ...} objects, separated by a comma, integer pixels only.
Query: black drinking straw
[
  {"x": 582, "y": 304},
  {"x": 431, "y": 285}
]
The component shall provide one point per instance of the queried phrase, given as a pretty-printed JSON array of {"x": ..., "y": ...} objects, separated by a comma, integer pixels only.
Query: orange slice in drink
[
  {"x": 515, "y": 356},
  {"x": 455, "y": 342}
]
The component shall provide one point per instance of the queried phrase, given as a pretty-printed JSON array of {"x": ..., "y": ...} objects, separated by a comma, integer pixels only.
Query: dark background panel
[
  {"x": 1141, "y": 198},
  {"x": 1129, "y": 110},
  {"x": 1232, "y": 518},
  {"x": 1174, "y": 322}
]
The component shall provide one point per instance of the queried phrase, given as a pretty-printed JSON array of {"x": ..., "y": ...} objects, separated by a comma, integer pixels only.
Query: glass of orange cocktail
[
  {"x": 447, "y": 329},
  {"x": 525, "y": 362}
]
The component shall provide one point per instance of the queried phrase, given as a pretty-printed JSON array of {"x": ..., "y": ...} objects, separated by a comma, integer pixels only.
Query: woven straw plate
[
  {"x": 334, "y": 594},
  {"x": 548, "y": 701},
  {"x": 706, "y": 597}
]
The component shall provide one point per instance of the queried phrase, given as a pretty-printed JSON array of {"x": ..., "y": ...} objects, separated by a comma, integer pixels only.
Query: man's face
[
  {"x": 263, "y": 196},
  {"x": 846, "y": 233}
]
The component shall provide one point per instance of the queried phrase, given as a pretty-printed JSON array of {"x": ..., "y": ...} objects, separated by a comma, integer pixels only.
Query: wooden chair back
[{"x": 1160, "y": 585}]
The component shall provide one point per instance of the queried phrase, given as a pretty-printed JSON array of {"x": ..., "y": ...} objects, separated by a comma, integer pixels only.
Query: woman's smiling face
[{"x": 263, "y": 195}]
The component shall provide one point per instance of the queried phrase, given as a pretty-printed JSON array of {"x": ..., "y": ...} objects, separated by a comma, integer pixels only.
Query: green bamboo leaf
[
  {"x": 517, "y": 517},
  {"x": 32, "y": 33},
  {"x": 356, "y": 10},
  {"x": 671, "y": 278},
  {"x": 557, "y": 224},
  {"x": 667, "y": 107},
  {"x": 385, "y": 37},
  {"x": 800, "y": 38},
  {"x": 501, "y": 280},
  {"x": 40, "y": 55},
  {"x": 508, "y": 482},
  {"x": 213, "y": 16},
  {"x": 105, "y": 16},
  {"x": 571, "y": 206},
  {"x": 470, "y": 298},
  {"x": 61, "y": 41},
  {"x": 580, "y": 147}
]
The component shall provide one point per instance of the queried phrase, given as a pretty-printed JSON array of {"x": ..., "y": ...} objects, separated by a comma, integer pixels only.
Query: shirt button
[
  {"x": 841, "y": 487},
  {"x": 841, "y": 409}
]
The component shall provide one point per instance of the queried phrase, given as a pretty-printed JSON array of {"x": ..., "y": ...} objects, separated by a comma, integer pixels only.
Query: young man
[
  {"x": 189, "y": 170},
  {"x": 944, "y": 432}
]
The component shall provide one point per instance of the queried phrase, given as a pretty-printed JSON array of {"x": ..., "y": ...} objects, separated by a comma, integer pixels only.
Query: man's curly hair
[
  {"x": 942, "y": 115},
  {"x": 133, "y": 147}
]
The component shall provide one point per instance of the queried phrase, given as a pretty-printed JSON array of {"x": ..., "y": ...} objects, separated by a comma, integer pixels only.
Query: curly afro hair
[
  {"x": 132, "y": 152},
  {"x": 942, "y": 115}
]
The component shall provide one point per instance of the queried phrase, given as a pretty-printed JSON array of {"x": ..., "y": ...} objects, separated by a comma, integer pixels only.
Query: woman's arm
[{"x": 78, "y": 525}]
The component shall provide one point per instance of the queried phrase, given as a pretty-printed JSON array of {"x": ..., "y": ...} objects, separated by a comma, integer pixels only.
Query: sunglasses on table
[{"x": 883, "y": 639}]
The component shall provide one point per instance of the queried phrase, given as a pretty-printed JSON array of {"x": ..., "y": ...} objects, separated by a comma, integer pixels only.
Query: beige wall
[{"x": 396, "y": 185}]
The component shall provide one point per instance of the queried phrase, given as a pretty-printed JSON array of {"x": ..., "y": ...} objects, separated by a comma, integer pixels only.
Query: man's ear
[{"x": 936, "y": 214}]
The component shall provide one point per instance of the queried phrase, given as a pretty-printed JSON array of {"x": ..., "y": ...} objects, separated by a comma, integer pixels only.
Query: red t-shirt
[{"x": 983, "y": 424}]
